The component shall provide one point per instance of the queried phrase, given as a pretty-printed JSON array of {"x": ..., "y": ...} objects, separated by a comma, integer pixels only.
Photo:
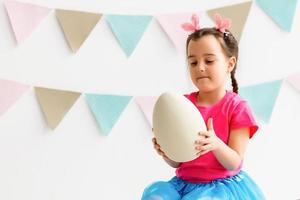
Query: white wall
[{"x": 75, "y": 161}]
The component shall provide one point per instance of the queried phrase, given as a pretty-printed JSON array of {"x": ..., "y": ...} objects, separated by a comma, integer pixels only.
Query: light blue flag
[
  {"x": 262, "y": 98},
  {"x": 128, "y": 29},
  {"x": 281, "y": 11},
  {"x": 107, "y": 109}
]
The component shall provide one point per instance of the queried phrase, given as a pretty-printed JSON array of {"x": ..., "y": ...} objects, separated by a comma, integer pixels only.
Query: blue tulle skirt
[{"x": 238, "y": 187}]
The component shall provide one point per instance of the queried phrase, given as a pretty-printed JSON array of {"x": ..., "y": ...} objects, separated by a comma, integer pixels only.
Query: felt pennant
[
  {"x": 107, "y": 109},
  {"x": 172, "y": 25},
  {"x": 55, "y": 104},
  {"x": 281, "y": 11},
  {"x": 76, "y": 26},
  {"x": 24, "y": 18},
  {"x": 237, "y": 13},
  {"x": 128, "y": 29},
  {"x": 262, "y": 98},
  {"x": 294, "y": 80},
  {"x": 10, "y": 93}
]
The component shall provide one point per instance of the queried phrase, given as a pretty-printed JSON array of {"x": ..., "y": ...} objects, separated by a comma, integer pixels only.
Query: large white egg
[{"x": 176, "y": 124}]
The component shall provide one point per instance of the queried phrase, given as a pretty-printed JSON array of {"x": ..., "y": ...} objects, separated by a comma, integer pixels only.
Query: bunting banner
[
  {"x": 262, "y": 98},
  {"x": 24, "y": 18},
  {"x": 55, "y": 104},
  {"x": 76, "y": 26},
  {"x": 281, "y": 11},
  {"x": 10, "y": 93},
  {"x": 237, "y": 13},
  {"x": 107, "y": 109},
  {"x": 128, "y": 29}
]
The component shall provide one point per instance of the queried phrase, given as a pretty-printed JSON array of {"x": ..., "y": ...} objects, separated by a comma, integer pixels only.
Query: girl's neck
[{"x": 211, "y": 97}]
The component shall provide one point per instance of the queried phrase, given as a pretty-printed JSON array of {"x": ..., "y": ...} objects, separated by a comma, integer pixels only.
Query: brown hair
[{"x": 228, "y": 44}]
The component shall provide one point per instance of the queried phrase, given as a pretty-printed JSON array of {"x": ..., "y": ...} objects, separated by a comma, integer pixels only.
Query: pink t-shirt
[{"x": 231, "y": 112}]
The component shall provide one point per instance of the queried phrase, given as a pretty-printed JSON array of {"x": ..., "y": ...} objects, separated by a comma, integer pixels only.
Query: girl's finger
[
  {"x": 204, "y": 133},
  {"x": 203, "y": 141},
  {"x": 210, "y": 125},
  {"x": 161, "y": 153},
  {"x": 206, "y": 141},
  {"x": 206, "y": 147}
]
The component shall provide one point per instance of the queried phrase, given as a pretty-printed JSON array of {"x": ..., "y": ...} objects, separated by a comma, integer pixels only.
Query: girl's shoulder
[
  {"x": 238, "y": 104},
  {"x": 232, "y": 102},
  {"x": 235, "y": 98}
]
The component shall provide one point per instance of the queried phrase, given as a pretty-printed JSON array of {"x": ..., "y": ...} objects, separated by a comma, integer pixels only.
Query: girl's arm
[{"x": 231, "y": 155}]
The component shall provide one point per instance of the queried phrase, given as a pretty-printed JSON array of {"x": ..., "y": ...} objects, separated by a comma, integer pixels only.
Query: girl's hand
[
  {"x": 157, "y": 148},
  {"x": 160, "y": 152},
  {"x": 208, "y": 141}
]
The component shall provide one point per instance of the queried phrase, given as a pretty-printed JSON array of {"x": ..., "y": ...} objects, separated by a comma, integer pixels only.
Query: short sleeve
[{"x": 242, "y": 117}]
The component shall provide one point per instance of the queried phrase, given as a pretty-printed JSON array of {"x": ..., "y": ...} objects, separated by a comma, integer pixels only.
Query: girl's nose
[{"x": 201, "y": 68}]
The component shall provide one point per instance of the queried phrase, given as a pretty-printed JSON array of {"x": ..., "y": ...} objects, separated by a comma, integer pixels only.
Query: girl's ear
[{"x": 231, "y": 63}]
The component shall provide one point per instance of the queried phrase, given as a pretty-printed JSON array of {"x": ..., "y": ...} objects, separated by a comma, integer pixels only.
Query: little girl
[{"x": 216, "y": 174}]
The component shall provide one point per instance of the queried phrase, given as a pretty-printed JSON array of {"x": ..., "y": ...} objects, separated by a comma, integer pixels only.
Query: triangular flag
[
  {"x": 76, "y": 25},
  {"x": 128, "y": 29},
  {"x": 171, "y": 24},
  {"x": 294, "y": 80},
  {"x": 55, "y": 104},
  {"x": 107, "y": 109},
  {"x": 10, "y": 92},
  {"x": 24, "y": 18},
  {"x": 281, "y": 11},
  {"x": 237, "y": 13},
  {"x": 262, "y": 98},
  {"x": 146, "y": 104}
]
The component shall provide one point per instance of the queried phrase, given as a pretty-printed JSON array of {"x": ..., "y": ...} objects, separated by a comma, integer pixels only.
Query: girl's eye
[
  {"x": 193, "y": 64},
  {"x": 209, "y": 61}
]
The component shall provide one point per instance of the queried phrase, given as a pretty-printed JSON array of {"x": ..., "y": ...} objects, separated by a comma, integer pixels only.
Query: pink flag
[
  {"x": 24, "y": 18},
  {"x": 172, "y": 25},
  {"x": 294, "y": 80},
  {"x": 146, "y": 104},
  {"x": 10, "y": 92}
]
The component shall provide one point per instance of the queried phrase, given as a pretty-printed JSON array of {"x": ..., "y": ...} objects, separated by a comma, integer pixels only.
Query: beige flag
[
  {"x": 55, "y": 103},
  {"x": 76, "y": 25},
  {"x": 238, "y": 14}
]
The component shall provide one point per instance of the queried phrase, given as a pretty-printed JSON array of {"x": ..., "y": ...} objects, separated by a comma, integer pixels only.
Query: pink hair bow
[
  {"x": 222, "y": 24},
  {"x": 193, "y": 26}
]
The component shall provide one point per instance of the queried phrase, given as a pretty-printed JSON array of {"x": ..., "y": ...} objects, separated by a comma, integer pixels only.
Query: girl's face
[{"x": 208, "y": 63}]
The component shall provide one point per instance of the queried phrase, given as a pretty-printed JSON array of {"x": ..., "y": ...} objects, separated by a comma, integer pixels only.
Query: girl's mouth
[{"x": 202, "y": 77}]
